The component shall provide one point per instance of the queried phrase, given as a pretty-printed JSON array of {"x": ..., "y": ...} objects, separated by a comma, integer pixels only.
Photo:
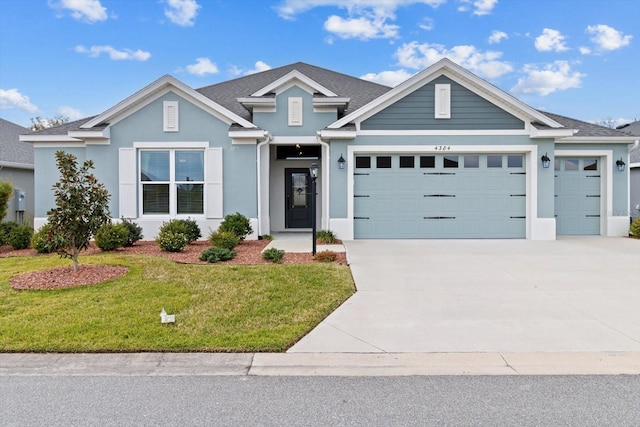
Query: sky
[{"x": 78, "y": 58}]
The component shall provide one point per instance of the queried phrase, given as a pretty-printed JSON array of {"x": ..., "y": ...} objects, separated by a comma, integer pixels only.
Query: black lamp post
[{"x": 313, "y": 170}]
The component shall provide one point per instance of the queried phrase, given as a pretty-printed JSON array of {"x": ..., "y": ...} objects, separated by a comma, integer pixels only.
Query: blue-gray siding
[{"x": 468, "y": 111}]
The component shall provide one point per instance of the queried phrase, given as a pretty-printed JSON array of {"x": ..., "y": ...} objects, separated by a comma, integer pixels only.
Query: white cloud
[
  {"x": 182, "y": 12},
  {"x": 497, "y": 36},
  {"x": 485, "y": 64},
  {"x": 258, "y": 67},
  {"x": 71, "y": 113},
  {"x": 550, "y": 40},
  {"x": 202, "y": 67},
  {"x": 426, "y": 24},
  {"x": 480, "y": 7},
  {"x": 12, "y": 98},
  {"x": 388, "y": 78},
  {"x": 585, "y": 50},
  {"x": 289, "y": 8},
  {"x": 550, "y": 78},
  {"x": 363, "y": 28},
  {"x": 83, "y": 10},
  {"x": 608, "y": 38},
  {"x": 114, "y": 54}
]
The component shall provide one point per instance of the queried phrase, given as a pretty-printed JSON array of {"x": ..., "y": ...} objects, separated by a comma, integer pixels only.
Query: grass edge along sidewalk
[{"x": 219, "y": 308}]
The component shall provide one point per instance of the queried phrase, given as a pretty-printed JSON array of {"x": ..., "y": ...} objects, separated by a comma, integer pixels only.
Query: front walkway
[
  {"x": 568, "y": 295},
  {"x": 299, "y": 242}
]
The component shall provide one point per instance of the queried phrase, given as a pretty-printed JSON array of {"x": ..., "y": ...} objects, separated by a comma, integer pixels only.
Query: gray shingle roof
[
  {"x": 12, "y": 150},
  {"x": 360, "y": 91},
  {"x": 632, "y": 129},
  {"x": 66, "y": 127},
  {"x": 584, "y": 128}
]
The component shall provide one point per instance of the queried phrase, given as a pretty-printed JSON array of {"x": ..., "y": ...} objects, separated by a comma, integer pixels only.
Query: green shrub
[
  {"x": 6, "y": 191},
  {"x": 42, "y": 240},
  {"x": 224, "y": 239},
  {"x": 326, "y": 256},
  {"x": 634, "y": 229},
  {"x": 20, "y": 237},
  {"x": 238, "y": 224},
  {"x": 171, "y": 241},
  {"x": 217, "y": 254},
  {"x": 326, "y": 236},
  {"x": 193, "y": 230},
  {"x": 273, "y": 255},
  {"x": 5, "y": 231},
  {"x": 134, "y": 231},
  {"x": 110, "y": 237},
  {"x": 188, "y": 227},
  {"x": 265, "y": 237}
]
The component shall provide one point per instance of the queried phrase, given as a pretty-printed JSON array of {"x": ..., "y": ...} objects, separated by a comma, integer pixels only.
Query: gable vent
[
  {"x": 171, "y": 119},
  {"x": 443, "y": 101},
  {"x": 295, "y": 111}
]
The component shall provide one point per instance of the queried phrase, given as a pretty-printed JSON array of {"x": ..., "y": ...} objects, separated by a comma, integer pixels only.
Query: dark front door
[{"x": 297, "y": 198}]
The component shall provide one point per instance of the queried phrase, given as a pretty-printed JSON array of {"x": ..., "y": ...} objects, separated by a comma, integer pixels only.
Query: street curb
[{"x": 319, "y": 364}]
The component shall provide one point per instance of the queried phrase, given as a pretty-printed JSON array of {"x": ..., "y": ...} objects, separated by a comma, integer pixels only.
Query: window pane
[
  {"x": 494, "y": 161},
  {"x": 383, "y": 162},
  {"x": 189, "y": 165},
  {"x": 590, "y": 164},
  {"x": 155, "y": 199},
  {"x": 407, "y": 161},
  {"x": 190, "y": 198},
  {"x": 471, "y": 161},
  {"x": 363, "y": 162},
  {"x": 514, "y": 161},
  {"x": 427, "y": 161},
  {"x": 556, "y": 164},
  {"x": 571, "y": 164},
  {"x": 154, "y": 166},
  {"x": 450, "y": 161}
]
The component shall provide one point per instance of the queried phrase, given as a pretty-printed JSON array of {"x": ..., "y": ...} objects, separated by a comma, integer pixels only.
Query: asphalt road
[{"x": 320, "y": 401}]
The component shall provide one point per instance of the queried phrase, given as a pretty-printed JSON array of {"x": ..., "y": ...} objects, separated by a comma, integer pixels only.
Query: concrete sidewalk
[
  {"x": 300, "y": 242},
  {"x": 318, "y": 364}
]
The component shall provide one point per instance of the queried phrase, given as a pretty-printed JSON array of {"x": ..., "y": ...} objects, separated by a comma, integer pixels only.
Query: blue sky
[{"x": 77, "y": 58}]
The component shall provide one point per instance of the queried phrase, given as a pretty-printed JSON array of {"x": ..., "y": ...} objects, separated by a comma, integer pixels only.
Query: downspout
[{"x": 267, "y": 138}]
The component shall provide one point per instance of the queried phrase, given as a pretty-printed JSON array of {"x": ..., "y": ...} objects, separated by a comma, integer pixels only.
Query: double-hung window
[{"x": 172, "y": 181}]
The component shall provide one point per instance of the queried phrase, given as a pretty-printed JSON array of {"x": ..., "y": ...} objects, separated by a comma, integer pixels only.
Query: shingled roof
[
  {"x": 632, "y": 128},
  {"x": 359, "y": 91},
  {"x": 12, "y": 150},
  {"x": 585, "y": 129}
]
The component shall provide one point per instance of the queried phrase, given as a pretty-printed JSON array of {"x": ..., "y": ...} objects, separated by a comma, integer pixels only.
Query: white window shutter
[
  {"x": 170, "y": 116},
  {"x": 127, "y": 183},
  {"x": 213, "y": 184},
  {"x": 295, "y": 111},
  {"x": 443, "y": 101}
]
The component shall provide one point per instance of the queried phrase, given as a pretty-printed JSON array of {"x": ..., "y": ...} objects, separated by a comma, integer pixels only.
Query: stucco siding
[
  {"x": 468, "y": 111},
  {"x": 634, "y": 197}
]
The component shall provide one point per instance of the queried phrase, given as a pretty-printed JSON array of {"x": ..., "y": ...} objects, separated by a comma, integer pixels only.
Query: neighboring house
[
  {"x": 443, "y": 155},
  {"x": 634, "y": 168},
  {"x": 16, "y": 167}
]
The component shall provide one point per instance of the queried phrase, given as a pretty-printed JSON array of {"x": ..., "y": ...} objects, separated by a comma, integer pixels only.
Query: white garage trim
[
  {"x": 536, "y": 228},
  {"x": 610, "y": 225}
]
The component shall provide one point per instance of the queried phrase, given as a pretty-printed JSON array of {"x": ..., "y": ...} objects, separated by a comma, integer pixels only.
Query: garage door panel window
[
  {"x": 515, "y": 161},
  {"x": 571, "y": 165},
  {"x": 363, "y": 162},
  {"x": 383, "y": 162},
  {"x": 590, "y": 165},
  {"x": 407, "y": 162},
  {"x": 450, "y": 161},
  {"x": 471, "y": 162},
  {"x": 427, "y": 162},
  {"x": 172, "y": 182},
  {"x": 494, "y": 161}
]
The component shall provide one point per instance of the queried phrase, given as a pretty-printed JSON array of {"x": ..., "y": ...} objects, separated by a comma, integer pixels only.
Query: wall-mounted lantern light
[
  {"x": 341, "y": 162},
  {"x": 546, "y": 161},
  {"x": 620, "y": 164}
]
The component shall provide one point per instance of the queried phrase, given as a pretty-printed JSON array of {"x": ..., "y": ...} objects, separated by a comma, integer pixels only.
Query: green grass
[{"x": 219, "y": 308}]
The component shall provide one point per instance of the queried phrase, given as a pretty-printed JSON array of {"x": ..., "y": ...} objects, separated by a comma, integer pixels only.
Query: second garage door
[{"x": 439, "y": 196}]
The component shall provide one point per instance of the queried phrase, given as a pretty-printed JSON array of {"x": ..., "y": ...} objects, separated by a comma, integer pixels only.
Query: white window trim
[
  {"x": 295, "y": 111},
  {"x": 173, "y": 204},
  {"x": 442, "y": 101},
  {"x": 170, "y": 116}
]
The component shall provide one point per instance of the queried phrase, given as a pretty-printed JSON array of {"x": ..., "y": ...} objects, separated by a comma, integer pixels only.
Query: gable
[{"x": 416, "y": 111}]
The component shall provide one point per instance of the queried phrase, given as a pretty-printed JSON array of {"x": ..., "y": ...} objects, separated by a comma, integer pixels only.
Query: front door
[{"x": 297, "y": 198}]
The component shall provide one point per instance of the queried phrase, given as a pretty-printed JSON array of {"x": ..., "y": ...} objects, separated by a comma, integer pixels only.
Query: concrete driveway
[{"x": 569, "y": 295}]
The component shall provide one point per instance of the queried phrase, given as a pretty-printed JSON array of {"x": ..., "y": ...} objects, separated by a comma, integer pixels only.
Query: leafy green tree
[
  {"x": 82, "y": 206},
  {"x": 6, "y": 190}
]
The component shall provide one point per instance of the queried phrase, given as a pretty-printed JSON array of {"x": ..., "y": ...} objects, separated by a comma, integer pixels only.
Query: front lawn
[{"x": 222, "y": 308}]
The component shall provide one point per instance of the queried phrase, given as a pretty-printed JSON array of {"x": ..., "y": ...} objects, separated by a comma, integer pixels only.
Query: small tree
[
  {"x": 81, "y": 207},
  {"x": 6, "y": 191}
]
